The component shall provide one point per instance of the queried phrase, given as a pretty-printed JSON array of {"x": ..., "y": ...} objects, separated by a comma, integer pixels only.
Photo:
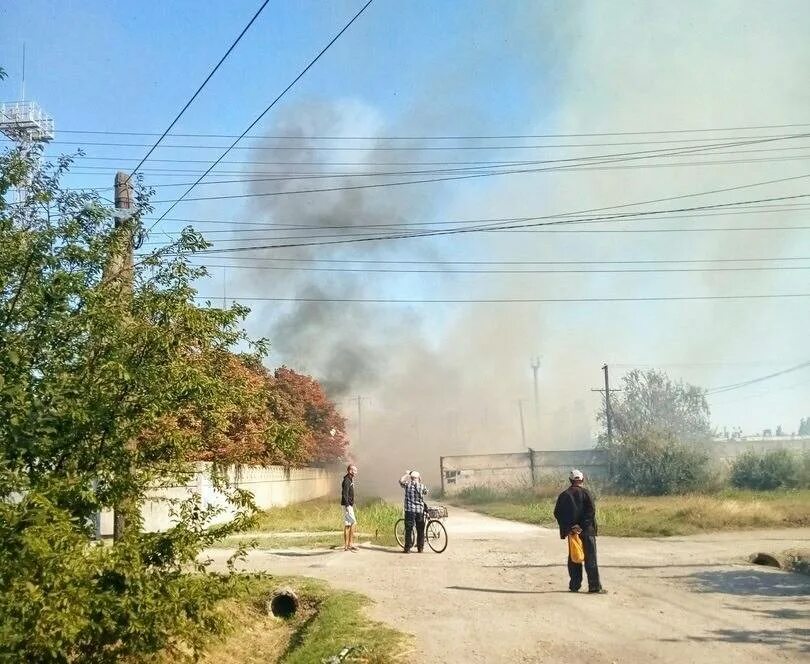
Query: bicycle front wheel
[
  {"x": 436, "y": 536},
  {"x": 399, "y": 532}
]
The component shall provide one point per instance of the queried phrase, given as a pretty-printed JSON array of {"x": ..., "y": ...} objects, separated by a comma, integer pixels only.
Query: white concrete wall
[
  {"x": 271, "y": 486},
  {"x": 509, "y": 470}
]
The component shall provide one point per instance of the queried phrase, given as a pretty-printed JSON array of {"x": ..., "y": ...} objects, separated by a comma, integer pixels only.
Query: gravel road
[{"x": 499, "y": 594}]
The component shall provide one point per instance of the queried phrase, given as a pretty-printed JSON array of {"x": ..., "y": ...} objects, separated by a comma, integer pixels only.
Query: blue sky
[
  {"x": 115, "y": 64},
  {"x": 473, "y": 67}
]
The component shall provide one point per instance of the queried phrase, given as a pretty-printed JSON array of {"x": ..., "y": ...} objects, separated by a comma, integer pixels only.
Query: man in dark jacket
[
  {"x": 347, "y": 501},
  {"x": 575, "y": 512}
]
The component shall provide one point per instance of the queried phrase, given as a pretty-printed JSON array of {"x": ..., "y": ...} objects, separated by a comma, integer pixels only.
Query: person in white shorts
[{"x": 347, "y": 501}]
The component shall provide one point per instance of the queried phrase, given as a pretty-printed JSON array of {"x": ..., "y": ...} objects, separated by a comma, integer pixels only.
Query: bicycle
[{"x": 435, "y": 532}]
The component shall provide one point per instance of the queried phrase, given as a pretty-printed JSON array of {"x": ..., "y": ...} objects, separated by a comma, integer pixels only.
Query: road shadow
[
  {"x": 780, "y": 612},
  {"x": 602, "y": 566},
  {"x": 383, "y": 549},
  {"x": 793, "y": 637},
  {"x": 751, "y": 583},
  {"x": 505, "y": 591},
  {"x": 302, "y": 554}
]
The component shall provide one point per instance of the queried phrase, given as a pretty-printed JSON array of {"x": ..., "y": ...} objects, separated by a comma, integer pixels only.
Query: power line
[
  {"x": 749, "y": 268},
  {"x": 320, "y": 232},
  {"x": 555, "y": 220},
  {"x": 473, "y": 163},
  {"x": 745, "y": 383},
  {"x": 675, "y": 298},
  {"x": 419, "y": 148},
  {"x": 765, "y": 394},
  {"x": 199, "y": 89},
  {"x": 657, "y": 261},
  {"x": 289, "y": 177},
  {"x": 266, "y": 110},
  {"x": 239, "y": 225},
  {"x": 608, "y": 159},
  {"x": 460, "y": 137},
  {"x": 718, "y": 229}
]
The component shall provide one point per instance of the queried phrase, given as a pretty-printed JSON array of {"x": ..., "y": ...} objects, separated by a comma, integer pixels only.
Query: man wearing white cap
[
  {"x": 414, "y": 509},
  {"x": 575, "y": 512}
]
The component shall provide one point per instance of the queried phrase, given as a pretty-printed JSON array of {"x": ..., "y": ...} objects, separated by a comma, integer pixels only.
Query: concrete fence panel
[
  {"x": 271, "y": 486},
  {"x": 518, "y": 469}
]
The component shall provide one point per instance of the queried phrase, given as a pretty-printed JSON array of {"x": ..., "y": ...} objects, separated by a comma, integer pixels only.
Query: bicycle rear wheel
[
  {"x": 399, "y": 532},
  {"x": 436, "y": 536}
]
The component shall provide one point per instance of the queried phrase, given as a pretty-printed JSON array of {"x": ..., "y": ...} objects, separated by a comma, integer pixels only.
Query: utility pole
[
  {"x": 120, "y": 269},
  {"x": 522, "y": 425},
  {"x": 120, "y": 266},
  {"x": 359, "y": 401},
  {"x": 535, "y": 364},
  {"x": 608, "y": 411}
]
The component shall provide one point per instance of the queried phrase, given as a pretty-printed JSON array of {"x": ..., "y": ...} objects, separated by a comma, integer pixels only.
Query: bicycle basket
[{"x": 437, "y": 512}]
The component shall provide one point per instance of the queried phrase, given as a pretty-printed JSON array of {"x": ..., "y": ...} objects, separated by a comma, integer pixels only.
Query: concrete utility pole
[
  {"x": 121, "y": 261},
  {"x": 359, "y": 401},
  {"x": 608, "y": 411},
  {"x": 120, "y": 269},
  {"x": 522, "y": 425},
  {"x": 535, "y": 364}
]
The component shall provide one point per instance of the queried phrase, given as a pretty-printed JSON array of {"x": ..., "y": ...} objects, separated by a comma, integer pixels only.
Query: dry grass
[
  {"x": 798, "y": 560},
  {"x": 319, "y": 524},
  {"x": 327, "y": 621},
  {"x": 635, "y": 516}
]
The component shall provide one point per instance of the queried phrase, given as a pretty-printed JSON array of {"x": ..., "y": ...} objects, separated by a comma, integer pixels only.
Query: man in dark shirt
[
  {"x": 575, "y": 512},
  {"x": 347, "y": 501}
]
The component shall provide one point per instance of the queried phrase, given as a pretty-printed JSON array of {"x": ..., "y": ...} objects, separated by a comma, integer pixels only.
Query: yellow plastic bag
[{"x": 575, "y": 549}]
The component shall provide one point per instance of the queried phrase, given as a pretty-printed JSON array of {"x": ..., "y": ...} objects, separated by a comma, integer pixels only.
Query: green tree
[
  {"x": 660, "y": 431},
  {"x": 769, "y": 470},
  {"x": 93, "y": 362}
]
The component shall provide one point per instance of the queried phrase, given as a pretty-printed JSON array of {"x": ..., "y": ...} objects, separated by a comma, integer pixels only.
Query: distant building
[{"x": 727, "y": 449}]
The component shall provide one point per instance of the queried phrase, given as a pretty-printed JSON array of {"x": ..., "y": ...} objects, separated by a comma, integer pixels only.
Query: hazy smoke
[{"x": 443, "y": 380}]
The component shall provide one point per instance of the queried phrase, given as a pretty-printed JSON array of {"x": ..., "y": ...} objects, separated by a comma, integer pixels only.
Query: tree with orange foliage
[
  {"x": 325, "y": 438},
  {"x": 282, "y": 418}
]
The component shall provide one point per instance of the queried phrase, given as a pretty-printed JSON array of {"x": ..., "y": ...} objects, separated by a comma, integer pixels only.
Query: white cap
[
  {"x": 576, "y": 475},
  {"x": 415, "y": 474}
]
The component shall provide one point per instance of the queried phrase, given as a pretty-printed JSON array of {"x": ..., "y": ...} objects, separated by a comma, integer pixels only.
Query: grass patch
[
  {"x": 797, "y": 561},
  {"x": 637, "y": 516},
  {"x": 319, "y": 524},
  {"x": 327, "y": 622}
]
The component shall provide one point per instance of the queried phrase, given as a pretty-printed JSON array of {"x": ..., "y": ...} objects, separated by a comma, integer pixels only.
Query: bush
[
  {"x": 110, "y": 380},
  {"x": 777, "y": 469},
  {"x": 71, "y": 601},
  {"x": 657, "y": 466}
]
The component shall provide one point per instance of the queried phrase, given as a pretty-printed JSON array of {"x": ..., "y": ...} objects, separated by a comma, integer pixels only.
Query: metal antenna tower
[{"x": 24, "y": 122}]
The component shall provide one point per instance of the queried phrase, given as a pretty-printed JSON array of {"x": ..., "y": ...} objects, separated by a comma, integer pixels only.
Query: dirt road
[{"x": 499, "y": 594}]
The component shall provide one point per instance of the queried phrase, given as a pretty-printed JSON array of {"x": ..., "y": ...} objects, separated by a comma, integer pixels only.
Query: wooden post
[
  {"x": 531, "y": 464},
  {"x": 441, "y": 472}
]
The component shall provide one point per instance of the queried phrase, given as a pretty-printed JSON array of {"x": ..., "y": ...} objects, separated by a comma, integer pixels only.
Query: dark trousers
[
  {"x": 415, "y": 519},
  {"x": 591, "y": 569}
]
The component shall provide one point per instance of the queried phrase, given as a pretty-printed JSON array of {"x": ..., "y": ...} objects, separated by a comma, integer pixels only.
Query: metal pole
[{"x": 22, "y": 87}]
